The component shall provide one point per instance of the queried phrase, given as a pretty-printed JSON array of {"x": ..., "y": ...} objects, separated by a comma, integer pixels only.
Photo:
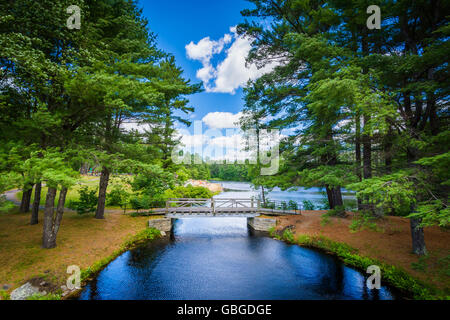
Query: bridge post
[
  {"x": 213, "y": 209},
  {"x": 167, "y": 206},
  {"x": 259, "y": 204}
]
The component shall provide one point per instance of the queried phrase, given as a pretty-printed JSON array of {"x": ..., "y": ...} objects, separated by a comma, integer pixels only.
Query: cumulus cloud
[
  {"x": 141, "y": 128},
  {"x": 232, "y": 72},
  {"x": 222, "y": 120},
  {"x": 206, "y": 48},
  {"x": 197, "y": 140}
]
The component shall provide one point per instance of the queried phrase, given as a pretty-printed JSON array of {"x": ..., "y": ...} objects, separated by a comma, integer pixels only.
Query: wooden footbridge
[{"x": 185, "y": 207}]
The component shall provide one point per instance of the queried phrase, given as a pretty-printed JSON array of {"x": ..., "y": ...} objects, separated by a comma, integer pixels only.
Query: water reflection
[{"x": 216, "y": 258}]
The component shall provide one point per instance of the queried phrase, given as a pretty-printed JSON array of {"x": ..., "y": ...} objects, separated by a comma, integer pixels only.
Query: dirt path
[{"x": 11, "y": 195}]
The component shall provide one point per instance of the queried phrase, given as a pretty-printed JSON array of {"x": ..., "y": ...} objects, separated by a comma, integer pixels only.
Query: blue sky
[
  {"x": 199, "y": 33},
  {"x": 179, "y": 22}
]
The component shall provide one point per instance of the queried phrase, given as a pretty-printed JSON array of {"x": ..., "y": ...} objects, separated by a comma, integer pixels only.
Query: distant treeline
[{"x": 218, "y": 171}]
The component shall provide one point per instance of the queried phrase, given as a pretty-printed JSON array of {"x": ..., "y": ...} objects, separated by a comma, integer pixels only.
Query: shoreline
[
  {"x": 88, "y": 274},
  {"x": 213, "y": 187},
  {"x": 338, "y": 250},
  {"x": 366, "y": 247}
]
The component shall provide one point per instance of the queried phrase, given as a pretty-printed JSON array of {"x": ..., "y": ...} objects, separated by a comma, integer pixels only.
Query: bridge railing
[
  {"x": 187, "y": 202},
  {"x": 228, "y": 205}
]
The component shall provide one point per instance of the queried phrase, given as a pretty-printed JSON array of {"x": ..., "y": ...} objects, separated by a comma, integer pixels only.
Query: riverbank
[
  {"x": 388, "y": 240},
  {"x": 82, "y": 241},
  {"x": 215, "y": 188}
]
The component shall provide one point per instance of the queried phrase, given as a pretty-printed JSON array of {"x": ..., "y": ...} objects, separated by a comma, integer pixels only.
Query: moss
[
  {"x": 49, "y": 296},
  {"x": 391, "y": 274},
  {"x": 4, "y": 295}
]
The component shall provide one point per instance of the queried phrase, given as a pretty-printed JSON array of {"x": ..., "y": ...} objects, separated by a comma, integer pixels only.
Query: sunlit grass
[{"x": 91, "y": 182}]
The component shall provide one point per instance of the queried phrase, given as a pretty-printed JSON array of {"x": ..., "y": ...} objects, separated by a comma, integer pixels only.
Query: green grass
[
  {"x": 72, "y": 194},
  {"x": 50, "y": 296},
  {"x": 4, "y": 295}
]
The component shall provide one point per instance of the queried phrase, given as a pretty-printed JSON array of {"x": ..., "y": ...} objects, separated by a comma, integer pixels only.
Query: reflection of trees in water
[
  {"x": 370, "y": 294},
  {"x": 146, "y": 257},
  {"x": 332, "y": 280},
  {"x": 93, "y": 294}
]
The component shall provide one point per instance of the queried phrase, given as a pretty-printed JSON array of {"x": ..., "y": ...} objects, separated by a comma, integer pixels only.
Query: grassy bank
[{"x": 392, "y": 275}]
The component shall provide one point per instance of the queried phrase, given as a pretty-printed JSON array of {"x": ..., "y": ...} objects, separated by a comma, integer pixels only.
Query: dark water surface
[{"x": 218, "y": 258}]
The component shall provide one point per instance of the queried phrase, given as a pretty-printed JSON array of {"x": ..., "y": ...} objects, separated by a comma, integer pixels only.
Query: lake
[{"x": 317, "y": 196}]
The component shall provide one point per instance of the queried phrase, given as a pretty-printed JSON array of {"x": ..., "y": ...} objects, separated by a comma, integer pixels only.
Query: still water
[
  {"x": 219, "y": 258},
  {"x": 317, "y": 196}
]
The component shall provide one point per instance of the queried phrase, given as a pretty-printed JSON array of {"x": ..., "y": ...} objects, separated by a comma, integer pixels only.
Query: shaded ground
[
  {"x": 390, "y": 243},
  {"x": 82, "y": 240}
]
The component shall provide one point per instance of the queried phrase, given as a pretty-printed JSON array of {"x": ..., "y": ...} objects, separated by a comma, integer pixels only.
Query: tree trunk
[
  {"x": 104, "y": 179},
  {"x": 367, "y": 159},
  {"x": 36, "y": 203},
  {"x": 263, "y": 195},
  {"x": 334, "y": 197},
  {"x": 26, "y": 199},
  {"x": 59, "y": 212},
  {"x": 358, "y": 154},
  {"x": 388, "y": 144},
  {"x": 47, "y": 236},
  {"x": 418, "y": 239},
  {"x": 367, "y": 152}
]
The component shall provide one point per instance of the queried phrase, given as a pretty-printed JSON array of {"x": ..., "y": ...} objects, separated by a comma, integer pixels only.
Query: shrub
[
  {"x": 292, "y": 205},
  {"x": 119, "y": 197},
  {"x": 324, "y": 204},
  {"x": 49, "y": 296},
  {"x": 87, "y": 201},
  {"x": 4, "y": 295},
  {"x": 268, "y": 204},
  {"x": 363, "y": 221},
  {"x": 188, "y": 192},
  {"x": 308, "y": 205},
  {"x": 288, "y": 236},
  {"x": 139, "y": 203},
  {"x": 338, "y": 211}
]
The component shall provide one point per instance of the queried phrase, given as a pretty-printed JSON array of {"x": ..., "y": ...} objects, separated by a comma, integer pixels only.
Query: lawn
[
  {"x": 82, "y": 240},
  {"x": 90, "y": 181}
]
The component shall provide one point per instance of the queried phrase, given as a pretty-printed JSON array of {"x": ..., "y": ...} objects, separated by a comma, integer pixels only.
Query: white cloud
[
  {"x": 206, "y": 73},
  {"x": 235, "y": 141},
  {"x": 206, "y": 48},
  {"x": 222, "y": 120},
  {"x": 232, "y": 72},
  {"x": 190, "y": 141},
  {"x": 141, "y": 128}
]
